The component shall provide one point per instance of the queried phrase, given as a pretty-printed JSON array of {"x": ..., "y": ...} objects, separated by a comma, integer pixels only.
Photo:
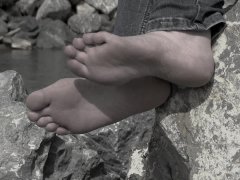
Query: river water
[{"x": 38, "y": 68}]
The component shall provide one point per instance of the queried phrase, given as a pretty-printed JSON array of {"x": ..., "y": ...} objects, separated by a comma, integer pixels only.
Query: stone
[
  {"x": 28, "y": 7},
  {"x": 4, "y": 16},
  {"x": 202, "y": 125},
  {"x": 83, "y": 24},
  {"x": 55, "y": 9},
  {"x": 54, "y": 34},
  {"x": 18, "y": 43},
  {"x": 105, "y": 6},
  {"x": 106, "y": 23},
  {"x": 26, "y": 23},
  {"x": 19, "y": 139},
  {"x": 84, "y": 9},
  {"x": 3, "y": 28}
]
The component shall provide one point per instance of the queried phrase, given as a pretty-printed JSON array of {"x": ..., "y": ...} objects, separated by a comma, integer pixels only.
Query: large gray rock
[
  {"x": 203, "y": 123},
  {"x": 83, "y": 23},
  {"x": 53, "y": 34},
  {"x": 55, "y": 9},
  {"x": 18, "y": 138},
  {"x": 28, "y": 6},
  {"x": 3, "y": 28},
  {"x": 106, "y": 6}
]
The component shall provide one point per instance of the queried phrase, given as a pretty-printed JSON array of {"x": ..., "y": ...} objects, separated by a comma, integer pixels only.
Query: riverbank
[{"x": 52, "y": 24}]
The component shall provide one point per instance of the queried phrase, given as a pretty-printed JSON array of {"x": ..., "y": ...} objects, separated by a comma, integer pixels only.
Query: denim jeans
[{"x": 143, "y": 16}]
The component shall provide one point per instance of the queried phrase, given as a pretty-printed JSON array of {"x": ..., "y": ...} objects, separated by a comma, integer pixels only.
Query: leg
[{"x": 116, "y": 60}]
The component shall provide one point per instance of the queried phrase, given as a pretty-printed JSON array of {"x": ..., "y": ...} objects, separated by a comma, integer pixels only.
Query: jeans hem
[{"x": 183, "y": 24}]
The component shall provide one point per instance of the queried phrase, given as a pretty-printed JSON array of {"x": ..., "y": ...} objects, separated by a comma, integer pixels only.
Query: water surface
[{"x": 38, "y": 68}]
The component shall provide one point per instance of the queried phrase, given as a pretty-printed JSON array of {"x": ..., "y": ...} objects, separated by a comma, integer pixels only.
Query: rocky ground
[{"x": 51, "y": 24}]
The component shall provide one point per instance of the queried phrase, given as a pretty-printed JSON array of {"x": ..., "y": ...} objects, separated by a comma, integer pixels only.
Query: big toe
[{"x": 37, "y": 100}]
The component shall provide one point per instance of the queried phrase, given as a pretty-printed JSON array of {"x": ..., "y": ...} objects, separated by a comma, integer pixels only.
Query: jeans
[{"x": 142, "y": 16}]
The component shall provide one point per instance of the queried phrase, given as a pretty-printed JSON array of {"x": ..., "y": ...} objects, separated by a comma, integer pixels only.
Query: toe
[
  {"x": 78, "y": 68},
  {"x": 62, "y": 131},
  {"x": 78, "y": 43},
  {"x": 51, "y": 127},
  {"x": 70, "y": 51},
  {"x": 37, "y": 100},
  {"x": 101, "y": 37},
  {"x": 81, "y": 57},
  {"x": 33, "y": 116},
  {"x": 88, "y": 39},
  {"x": 44, "y": 121}
]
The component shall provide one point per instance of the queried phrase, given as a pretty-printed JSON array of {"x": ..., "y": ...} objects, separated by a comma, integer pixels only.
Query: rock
[
  {"x": 4, "y": 16},
  {"x": 106, "y": 24},
  {"x": 3, "y": 28},
  {"x": 28, "y": 7},
  {"x": 26, "y": 23},
  {"x": 19, "y": 139},
  {"x": 54, "y": 34},
  {"x": 55, "y": 9},
  {"x": 82, "y": 23},
  {"x": 18, "y": 43},
  {"x": 105, "y": 6},
  {"x": 203, "y": 124},
  {"x": 84, "y": 9}
]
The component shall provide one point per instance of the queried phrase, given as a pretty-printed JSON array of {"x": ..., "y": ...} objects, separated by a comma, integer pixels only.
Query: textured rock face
[
  {"x": 17, "y": 137},
  {"x": 203, "y": 124},
  {"x": 84, "y": 24}
]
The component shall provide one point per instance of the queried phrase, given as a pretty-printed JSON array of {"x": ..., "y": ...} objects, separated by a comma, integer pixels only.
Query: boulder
[
  {"x": 3, "y": 28},
  {"x": 84, "y": 9},
  {"x": 104, "y": 6},
  {"x": 55, "y": 9},
  {"x": 4, "y": 16},
  {"x": 54, "y": 34},
  {"x": 196, "y": 135},
  {"x": 83, "y": 23},
  {"x": 18, "y": 137},
  {"x": 28, "y": 7}
]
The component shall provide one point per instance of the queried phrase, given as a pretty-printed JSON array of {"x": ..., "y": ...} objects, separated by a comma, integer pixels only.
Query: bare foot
[
  {"x": 79, "y": 106},
  {"x": 183, "y": 58}
]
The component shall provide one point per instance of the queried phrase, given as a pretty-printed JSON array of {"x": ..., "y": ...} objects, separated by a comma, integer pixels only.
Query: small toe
[
  {"x": 78, "y": 68},
  {"x": 44, "y": 121},
  {"x": 33, "y": 116},
  {"x": 70, "y": 51},
  {"x": 81, "y": 57},
  {"x": 78, "y": 43},
  {"x": 51, "y": 127},
  {"x": 88, "y": 39},
  {"x": 62, "y": 131},
  {"x": 37, "y": 101}
]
